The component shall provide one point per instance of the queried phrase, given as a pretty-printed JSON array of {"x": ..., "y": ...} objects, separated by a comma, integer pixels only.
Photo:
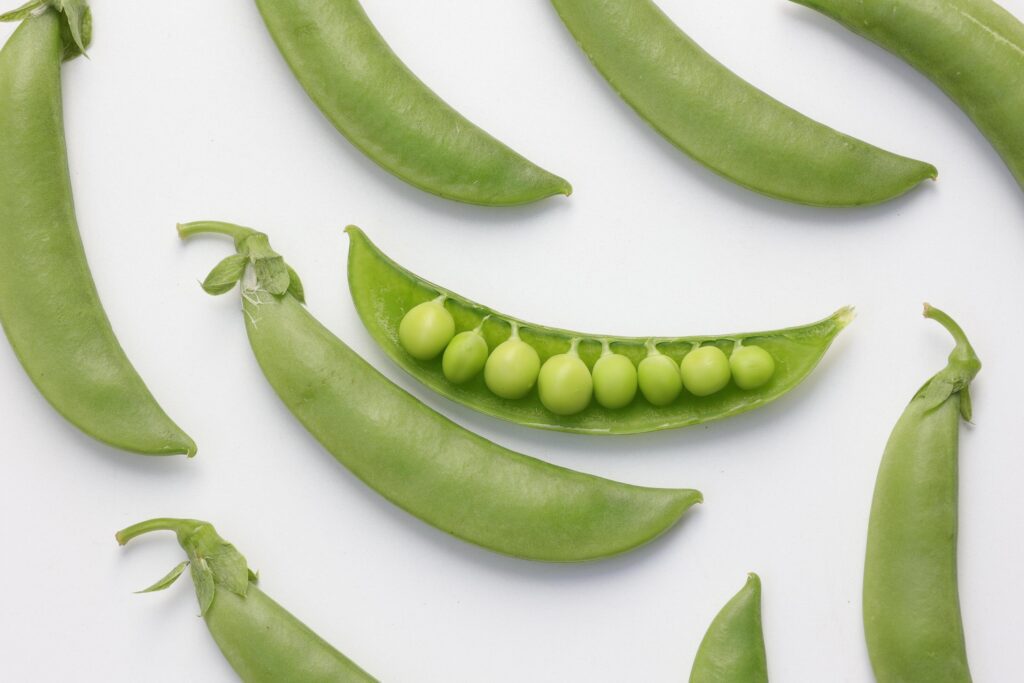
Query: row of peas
[{"x": 564, "y": 383}]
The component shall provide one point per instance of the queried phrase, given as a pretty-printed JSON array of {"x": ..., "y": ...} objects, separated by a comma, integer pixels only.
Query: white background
[{"x": 186, "y": 110}]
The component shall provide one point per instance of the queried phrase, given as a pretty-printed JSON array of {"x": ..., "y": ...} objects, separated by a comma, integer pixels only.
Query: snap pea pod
[
  {"x": 375, "y": 101},
  {"x": 385, "y": 293},
  {"x": 972, "y": 49},
  {"x": 911, "y": 602},
  {"x": 49, "y": 306},
  {"x": 434, "y": 469},
  {"x": 722, "y": 121},
  {"x": 263, "y": 642},
  {"x": 733, "y": 647}
]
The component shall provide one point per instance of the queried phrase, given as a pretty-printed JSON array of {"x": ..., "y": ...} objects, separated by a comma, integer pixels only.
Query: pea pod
[
  {"x": 384, "y": 293},
  {"x": 376, "y": 102},
  {"x": 733, "y": 647},
  {"x": 972, "y": 49},
  {"x": 724, "y": 122},
  {"x": 49, "y": 306},
  {"x": 911, "y": 602},
  {"x": 261, "y": 640},
  {"x": 427, "y": 465}
]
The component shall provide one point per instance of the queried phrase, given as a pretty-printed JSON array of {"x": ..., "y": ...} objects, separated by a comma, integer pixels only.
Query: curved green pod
[
  {"x": 383, "y": 292},
  {"x": 49, "y": 306},
  {"x": 263, "y": 642},
  {"x": 972, "y": 49},
  {"x": 432, "y": 468},
  {"x": 722, "y": 121},
  {"x": 911, "y": 601},
  {"x": 732, "y": 650},
  {"x": 376, "y": 102}
]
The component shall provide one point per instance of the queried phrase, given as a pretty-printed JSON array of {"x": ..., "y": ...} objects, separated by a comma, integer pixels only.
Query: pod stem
[
  {"x": 178, "y": 526},
  {"x": 963, "y": 366},
  {"x": 237, "y": 232}
]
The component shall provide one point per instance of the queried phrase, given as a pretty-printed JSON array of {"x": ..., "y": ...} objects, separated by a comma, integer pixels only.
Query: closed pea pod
[
  {"x": 911, "y": 601},
  {"x": 972, "y": 49},
  {"x": 383, "y": 292},
  {"x": 49, "y": 306},
  {"x": 724, "y": 122},
  {"x": 732, "y": 650},
  {"x": 443, "y": 474},
  {"x": 261, "y": 640},
  {"x": 376, "y": 102}
]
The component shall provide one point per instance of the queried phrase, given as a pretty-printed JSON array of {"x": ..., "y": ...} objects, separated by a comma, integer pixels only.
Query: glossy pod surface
[
  {"x": 421, "y": 461},
  {"x": 911, "y": 601},
  {"x": 49, "y": 306},
  {"x": 373, "y": 99},
  {"x": 972, "y": 49},
  {"x": 263, "y": 642},
  {"x": 732, "y": 650},
  {"x": 383, "y": 292},
  {"x": 724, "y": 122}
]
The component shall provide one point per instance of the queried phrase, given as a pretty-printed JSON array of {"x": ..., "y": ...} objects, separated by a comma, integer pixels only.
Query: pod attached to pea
[
  {"x": 450, "y": 478},
  {"x": 261, "y": 640},
  {"x": 593, "y": 384}
]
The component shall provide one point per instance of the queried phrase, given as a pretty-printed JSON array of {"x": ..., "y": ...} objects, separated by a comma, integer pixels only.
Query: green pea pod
[
  {"x": 421, "y": 461},
  {"x": 733, "y": 647},
  {"x": 261, "y": 640},
  {"x": 383, "y": 292},
  {"x": 911, "y": 603},
  {"x": 724, "y": 122},
  {"x": 375, "y": 101},
  {"x": 49, "y": 306},
  {"x": 972, "y": 49}
]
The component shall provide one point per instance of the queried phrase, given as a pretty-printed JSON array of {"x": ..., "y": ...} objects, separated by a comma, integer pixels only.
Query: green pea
[
  {"x": 658, "y": 377},
  {"x": 705, "y": 371},
  {"x": 465, "y": 357},
  {"x": 614, "y": 380},
  {"x": 426, "y": 329},
  {"x": 512, "y": 368},
  {"x": 751, "y": 366},
  {"x": 564, "y": 384}
]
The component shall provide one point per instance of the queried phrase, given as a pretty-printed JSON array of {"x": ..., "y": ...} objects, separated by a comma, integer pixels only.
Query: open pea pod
[{"x": 722, "y": 384}]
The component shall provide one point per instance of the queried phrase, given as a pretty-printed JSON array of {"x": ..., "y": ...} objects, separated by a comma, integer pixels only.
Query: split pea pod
[
  {"x": 911, "y": 601},
  {"x": 972, "y": 49},
  {"x": 557, "y": 379},
  {"x": 733, "y": 648},
  {"x": 263, "y": 642},
  {"x": 49, "y": 306},
  {"x": 376, "y": 102},
  {"x": 722, "y": 121},
  {"x": 432, "y": 468}
]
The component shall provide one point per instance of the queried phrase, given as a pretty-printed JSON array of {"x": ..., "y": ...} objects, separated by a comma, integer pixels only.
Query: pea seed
[
  {"x": 751, "y": 366},
  {"x": 465, "y": 357},
  {"x": 426, "y": 329},
  {"x": 705, "y": 371},
  {"x": 512, "y": 368},
  {"x": 658, "y": 377},
  {"x": 564, "y": 384},
  {"x": 614, "y": 380}
]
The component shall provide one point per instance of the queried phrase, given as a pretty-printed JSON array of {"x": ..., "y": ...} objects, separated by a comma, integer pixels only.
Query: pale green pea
[
  {"x": 614, "y": 380},
  {"x": 426, "y": 329},
  {"x": 465, "y": 356},
  {"x": 512, "y": 368},
  {"x": 658, "y": 377},
  {"x": 751, "y": 366},
  {"x": 705, "y": 371},
  {"x": 564, "y": 384}
]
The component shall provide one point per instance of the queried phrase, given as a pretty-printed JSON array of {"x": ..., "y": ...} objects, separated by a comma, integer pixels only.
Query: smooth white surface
[{"x": 186, "y": 110}]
